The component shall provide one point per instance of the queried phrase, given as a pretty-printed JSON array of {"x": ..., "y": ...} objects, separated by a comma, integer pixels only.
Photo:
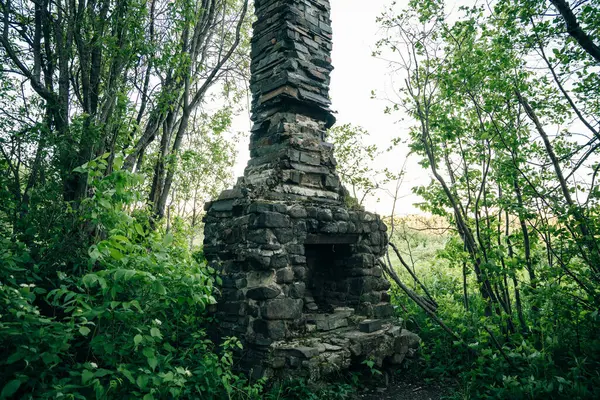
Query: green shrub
[{"x": 125, "y": 321}]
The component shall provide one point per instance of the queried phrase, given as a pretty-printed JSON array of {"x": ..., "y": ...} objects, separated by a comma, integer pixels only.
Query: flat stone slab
[
  {"x": 300, "y": 351},
  {"x": 320, "y": 354},
  {"x": 328, "y": 322},
  {"x": 346, "y": 312},
  {"x": 370, "y": 325}
]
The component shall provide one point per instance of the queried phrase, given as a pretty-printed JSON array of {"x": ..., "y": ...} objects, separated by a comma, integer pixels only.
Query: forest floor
[{"x": 403, "y": 390}]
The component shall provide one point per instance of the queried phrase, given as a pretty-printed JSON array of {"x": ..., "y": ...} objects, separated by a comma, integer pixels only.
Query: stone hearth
[{"x": 302, "y": 285}]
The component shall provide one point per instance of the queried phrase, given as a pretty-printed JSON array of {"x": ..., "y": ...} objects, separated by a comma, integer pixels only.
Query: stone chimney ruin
[{"x": 302, "y": 283}]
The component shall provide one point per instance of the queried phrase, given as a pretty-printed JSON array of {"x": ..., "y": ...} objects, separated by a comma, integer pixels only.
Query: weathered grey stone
[
  {"x": 321, "y": 347},
  {"x": 279, "y": 261},
  {"x": 261, "y": 236},
  {"x": 328, "y": 322},
  {"x": 222, "y": 205},
  {"x": 297, "y": 290},
  {"x": 297, "y": 260},
  {"x": 234, "y": 307},
  {"x": 272, "y": 220},
  {"x": 300, "y": 230},
  {"x": 301, "y": 351},
  {"x": 284, "y": 235},
  {"x": 397, "y": 358},
  {"x": 411, "y": 339},
  {"x": 234, "y": 282},
  {"x": 330, "y": 347},
  {"x": 364, "y": 260},
  {"x": 371, "y": 297},
  {"x": 308, "y": 158},
  {"x": 271, "y": 247},
  {"x": 282, "y": 309},
  {"x": 370, "y": 325},
  {"x": 258, "y": 260},
  {"x": 344, "y": 312},
  {"x": 312, "y": 212},
  {"x": 294, "y": 362},
  {"x": 383, "y": 310},
  {"x": 295, "y": 249},
  {"x": 263, "y": 293},
  {"x": 385, "y": 297},
  {"x": 297, "y": 211},
  {"x": 278, "y": 362},
  {"x": 300, "y": 272},
  {"x": 285, "y": 275},
  {"x": 266, "y": 208},
  {"x": 324, "y": 214},
  {"x": 330, "y": 227},
  {"x": 340, "y": 214},
  {"x": 275, "y": 330},
  {"x": 259, "y": 278}
]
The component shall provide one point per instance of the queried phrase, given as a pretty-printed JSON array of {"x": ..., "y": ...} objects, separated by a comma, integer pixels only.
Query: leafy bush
[
  {"x": 564, "y": 365},
  {"x": 300, "y": 389},
  {"x": 127, "y": 320}
]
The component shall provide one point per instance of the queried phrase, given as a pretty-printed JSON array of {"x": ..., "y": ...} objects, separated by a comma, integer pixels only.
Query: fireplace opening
[{"x": 326, "y": 278}]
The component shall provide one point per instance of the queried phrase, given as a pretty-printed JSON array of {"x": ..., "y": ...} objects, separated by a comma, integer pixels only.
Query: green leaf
[
  {"x": 90, "y": 279},
  {"x": 168, "y": 377},
  {"x": 142, "y": 381},
  {"x": 86, "y": 376},
  {"x": 148, "y": 352},
  {"x": 128, "y": 375},
  {"x": 155, "y": 332},
  {"x": 84, "y": 330},
  {"x": 10, "y": 388},
  {"x": 102, "y": 283},
  {"x": 121, "y": 238},
  {"x": 116, "y": 254},
  {"x": 14, "y": 357},
  {"x": 152, "y": 362},
  {"x": 105, "y": 203},
  {"x": 168, "y": 239},
  {"x": 94, "y": 253},
  {"x": 139, "y": 229},
  {"x": 159, "y": 288},
  {"x": 137, "y": 339},
  {"x": 102, "y": 372}
]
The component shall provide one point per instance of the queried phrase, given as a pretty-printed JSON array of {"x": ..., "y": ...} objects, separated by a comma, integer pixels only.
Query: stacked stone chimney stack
[
  {"x": 302, "y": 282},
  {"x": 291, "y": 66}
]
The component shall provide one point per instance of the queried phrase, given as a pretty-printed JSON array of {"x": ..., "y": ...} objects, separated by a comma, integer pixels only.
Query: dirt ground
[{"x": 401, "y": 390}]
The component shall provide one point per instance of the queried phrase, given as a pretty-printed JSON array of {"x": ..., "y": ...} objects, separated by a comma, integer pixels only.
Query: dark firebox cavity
[{"x": 327, "y": 281}]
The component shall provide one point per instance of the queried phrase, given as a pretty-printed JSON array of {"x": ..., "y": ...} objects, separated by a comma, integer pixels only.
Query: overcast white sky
[{"x": 356, "y": 74}]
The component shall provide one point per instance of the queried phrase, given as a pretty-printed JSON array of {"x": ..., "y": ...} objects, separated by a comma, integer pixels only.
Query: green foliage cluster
[
  {"x": 504, "y": 100},
  {"x": 564, "y": 363},
  {"x": 112, "y": 136},
  {"x": 124, "y": 318}
]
